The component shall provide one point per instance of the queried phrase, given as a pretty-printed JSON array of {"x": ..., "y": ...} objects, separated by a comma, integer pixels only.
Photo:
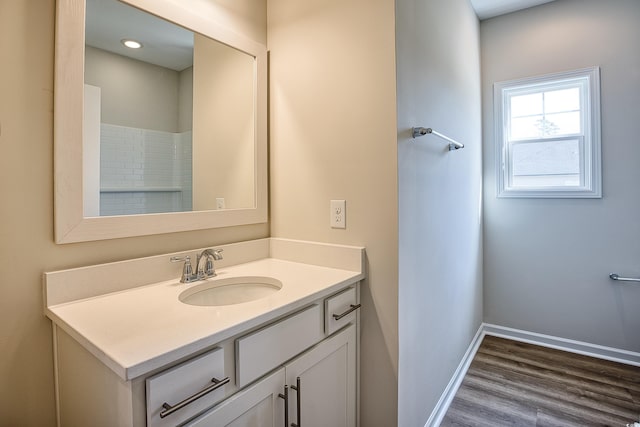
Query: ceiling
[
  {"x": 489, "y": 8},
  {"x": 164, "y": 44},
  {"x": 168, "y": 45}
]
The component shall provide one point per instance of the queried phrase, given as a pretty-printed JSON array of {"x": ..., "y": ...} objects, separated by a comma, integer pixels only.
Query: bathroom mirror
[{"x": 111, "y": 126}]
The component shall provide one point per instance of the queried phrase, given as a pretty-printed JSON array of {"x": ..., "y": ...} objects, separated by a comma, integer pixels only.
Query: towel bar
[
  {"x": 615, "y": 276},
  {"x": 453, "y": 144}
]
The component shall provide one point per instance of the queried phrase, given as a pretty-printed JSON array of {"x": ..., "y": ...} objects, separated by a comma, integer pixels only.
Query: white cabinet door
[
  {"x": 260, "y": 405},
  {"x": 327, "y": 383}
]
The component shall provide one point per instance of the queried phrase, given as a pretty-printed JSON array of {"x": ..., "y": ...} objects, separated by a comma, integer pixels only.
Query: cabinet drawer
[
  {"x": 340, "y": 310},
  {"x": 267, "y": 348},
  {"x": 179, "y": 393},
  {"x": 259, "y": 404}
]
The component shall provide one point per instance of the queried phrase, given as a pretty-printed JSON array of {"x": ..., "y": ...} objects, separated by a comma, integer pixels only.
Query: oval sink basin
[{"x": 233, "y": 290}]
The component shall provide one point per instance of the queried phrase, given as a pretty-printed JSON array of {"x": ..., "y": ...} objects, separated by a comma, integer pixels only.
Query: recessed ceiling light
[{"x": 132, "y": 44}]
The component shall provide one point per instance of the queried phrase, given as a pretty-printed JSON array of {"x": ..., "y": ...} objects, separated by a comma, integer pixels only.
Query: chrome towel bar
[
  {"x": 615, "y": 276},
  {"x": 453, "y": 144}
]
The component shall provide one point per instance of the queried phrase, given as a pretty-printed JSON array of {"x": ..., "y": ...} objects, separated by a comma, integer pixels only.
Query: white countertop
[{"x": 138, "y": 330}]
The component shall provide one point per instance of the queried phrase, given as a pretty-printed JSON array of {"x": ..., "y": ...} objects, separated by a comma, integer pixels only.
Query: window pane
[
  {"x": 546, "y": 163},
  {"x": 546, "y": 127},
  {"x": 544, "y": 134},
  {"x": 562, "y": 100},
  {"x": 526, "y": 105},
  {"x": 525, "y": 127},
  {"x": 565, "y": 123}
]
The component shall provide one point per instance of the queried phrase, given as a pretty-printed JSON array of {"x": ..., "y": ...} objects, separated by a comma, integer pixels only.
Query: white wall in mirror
[
  {"x": 222, "y": 100},
  {"x": 72, "y": 224},
  {"x": 91, "y": 151}
]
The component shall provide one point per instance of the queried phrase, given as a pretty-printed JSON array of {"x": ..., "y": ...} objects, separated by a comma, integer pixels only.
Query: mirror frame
[{"x": 70, "y": 223}]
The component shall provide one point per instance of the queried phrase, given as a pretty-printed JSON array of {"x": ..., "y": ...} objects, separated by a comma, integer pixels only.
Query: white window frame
[{"x": 589, "y": 139}]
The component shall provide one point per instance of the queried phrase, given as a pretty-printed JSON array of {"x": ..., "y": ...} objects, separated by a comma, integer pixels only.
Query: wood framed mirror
[{"x": 224, "y": 191}]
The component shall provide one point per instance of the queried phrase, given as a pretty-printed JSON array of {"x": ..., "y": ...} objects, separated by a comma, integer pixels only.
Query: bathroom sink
[{"x": 228, "y": 291}]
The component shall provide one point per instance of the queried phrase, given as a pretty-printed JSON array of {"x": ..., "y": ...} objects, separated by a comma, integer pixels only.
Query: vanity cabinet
[
  {"x": 308, "y": 355},
  {"x": 319, "y": 385}
]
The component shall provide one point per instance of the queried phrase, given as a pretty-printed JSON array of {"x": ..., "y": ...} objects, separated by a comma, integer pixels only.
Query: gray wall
[
  {"x": 440, "y": 239},
  {"x": 547, "y": 261},
  {"x": 134, "y": 93}
]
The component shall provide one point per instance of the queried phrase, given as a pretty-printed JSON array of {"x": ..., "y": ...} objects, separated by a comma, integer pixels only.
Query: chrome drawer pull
[
  {"x": 353, "y": 308},
  {"x": 168, "y": 409}
]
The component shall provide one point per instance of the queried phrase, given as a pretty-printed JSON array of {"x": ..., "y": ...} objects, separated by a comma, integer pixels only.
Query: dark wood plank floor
[{"x": 511, "y": 383}]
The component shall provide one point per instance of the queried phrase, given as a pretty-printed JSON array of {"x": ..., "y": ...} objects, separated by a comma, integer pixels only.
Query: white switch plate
[
  {"x": 338, "y": 214},
  {"x": 220, "y": 203}
]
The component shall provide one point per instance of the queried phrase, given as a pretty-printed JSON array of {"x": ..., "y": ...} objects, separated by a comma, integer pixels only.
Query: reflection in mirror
[
  {"x": 217, "y": 166},
  {"x": 168, "y": 126}
]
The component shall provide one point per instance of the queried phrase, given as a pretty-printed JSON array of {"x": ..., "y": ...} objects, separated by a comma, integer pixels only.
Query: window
[{"x": 548, "y": 135}]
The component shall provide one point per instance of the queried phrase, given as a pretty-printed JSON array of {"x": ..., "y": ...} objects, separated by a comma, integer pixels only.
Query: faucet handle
[
  {"x": 187, "y": 270},
  {"x": 217, "y": 254}
]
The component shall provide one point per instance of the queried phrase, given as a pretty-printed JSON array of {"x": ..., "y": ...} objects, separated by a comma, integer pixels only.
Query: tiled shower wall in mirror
[{"x": 144, "y": 171}]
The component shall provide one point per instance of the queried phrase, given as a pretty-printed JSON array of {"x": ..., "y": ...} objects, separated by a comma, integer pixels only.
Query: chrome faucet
[{"x": 204, "y": 266}]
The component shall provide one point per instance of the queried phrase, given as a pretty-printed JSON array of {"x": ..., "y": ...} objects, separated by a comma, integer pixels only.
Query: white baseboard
[
  {"x": 578, "y": 347},
  {"x": 450, "y": 391}
]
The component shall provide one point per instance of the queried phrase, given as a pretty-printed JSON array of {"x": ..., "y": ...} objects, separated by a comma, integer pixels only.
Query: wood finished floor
[{"x": 511, "y": 383}]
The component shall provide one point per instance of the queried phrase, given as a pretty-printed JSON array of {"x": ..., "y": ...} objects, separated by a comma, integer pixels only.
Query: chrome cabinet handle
[
  {"x": 285, "y": 396},
  {"x": 351, "y": 309},
  {"x": 297, "y": 389},
  {"x": 168, "y": 409}
]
